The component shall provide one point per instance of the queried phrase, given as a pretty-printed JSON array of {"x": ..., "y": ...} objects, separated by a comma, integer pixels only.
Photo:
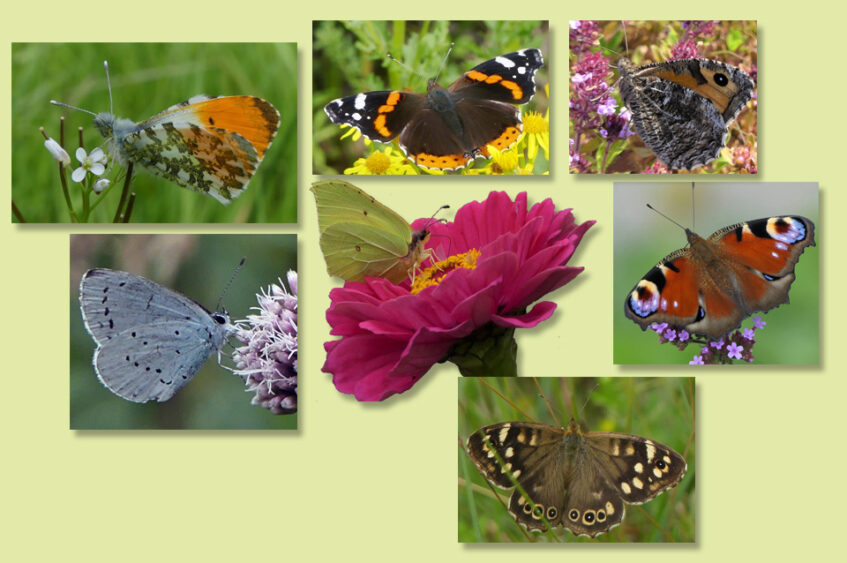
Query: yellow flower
[
  {"x": 537, "y": 132},
  {"x": 385, "y": 161},
  {"x": 503, "y": 162}
]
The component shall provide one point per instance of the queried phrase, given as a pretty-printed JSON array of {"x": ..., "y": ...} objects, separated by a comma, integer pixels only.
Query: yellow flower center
[
  {"x": 435, "y": 273},
  {"x": 378, "y": 163},
  {"x": 534, "y": 124}
]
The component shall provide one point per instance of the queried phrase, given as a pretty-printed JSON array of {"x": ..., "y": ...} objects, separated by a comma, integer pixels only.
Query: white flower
[
  {"x": 58, "y": 153},
  {"x": 94, "y": 163},
  {"x": 100, "y": 185}
]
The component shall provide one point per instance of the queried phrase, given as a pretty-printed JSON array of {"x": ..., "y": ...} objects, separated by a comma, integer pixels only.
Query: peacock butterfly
[{"x": 712, "y": 285}]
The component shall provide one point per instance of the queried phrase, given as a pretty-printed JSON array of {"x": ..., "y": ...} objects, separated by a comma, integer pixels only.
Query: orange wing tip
[{"x": 253, "y": 118}]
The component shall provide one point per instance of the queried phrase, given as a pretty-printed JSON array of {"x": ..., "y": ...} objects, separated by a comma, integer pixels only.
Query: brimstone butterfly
[{"x": 362, "y": 238}]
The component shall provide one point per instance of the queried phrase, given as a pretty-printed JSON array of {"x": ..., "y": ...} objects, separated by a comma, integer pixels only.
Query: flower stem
[{"x": 490, "y": 351}]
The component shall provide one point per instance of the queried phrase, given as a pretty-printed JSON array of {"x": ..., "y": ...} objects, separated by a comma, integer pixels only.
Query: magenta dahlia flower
[{"x": 464, "y": 308}]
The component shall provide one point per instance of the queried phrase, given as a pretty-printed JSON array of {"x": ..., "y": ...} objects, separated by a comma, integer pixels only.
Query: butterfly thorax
[
  {"x": 418, "y": 252},
  {"x": 113, "y": 128},
  {"x": 573, "y": 442},
  {"x": 106, "y": 123},
  {"x": 438, "y": 99},
  {"x": 716, "y": 272}
]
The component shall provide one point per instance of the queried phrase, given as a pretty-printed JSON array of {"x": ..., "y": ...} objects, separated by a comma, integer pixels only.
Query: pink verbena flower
[{"x": 503, "y": 259}]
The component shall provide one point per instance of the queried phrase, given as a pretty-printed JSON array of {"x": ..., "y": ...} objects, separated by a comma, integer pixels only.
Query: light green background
[{"x": 378, "y": 482}]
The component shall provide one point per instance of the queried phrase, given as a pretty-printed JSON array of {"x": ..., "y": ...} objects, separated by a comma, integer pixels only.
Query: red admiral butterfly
[{"x": 447, "y": 128}]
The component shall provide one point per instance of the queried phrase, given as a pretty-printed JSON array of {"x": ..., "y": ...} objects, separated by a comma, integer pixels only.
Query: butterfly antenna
[
  {"x": 55, "y": 103},
  {"x": 444, "y": 61},
  {"x": 231, "y": 279},
  {"x": 666, "y": 217},
  {"x": 109, "y": 87},
  {"x": 407, "y": 67},
  {"x": 588, "y": 398},
  {"x": 693, "y": 208},
  {"x": 432, "y": 219}
]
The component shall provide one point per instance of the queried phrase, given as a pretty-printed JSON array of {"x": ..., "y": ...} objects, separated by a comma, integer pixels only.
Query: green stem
[{"x": 490, "y": 351}]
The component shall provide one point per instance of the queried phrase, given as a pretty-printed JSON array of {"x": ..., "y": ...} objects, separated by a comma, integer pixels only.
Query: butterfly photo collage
[{"x": 561, "y": 315}]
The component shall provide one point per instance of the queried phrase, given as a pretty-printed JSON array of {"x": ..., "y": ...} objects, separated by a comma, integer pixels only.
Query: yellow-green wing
[{"x": 360, "y": 237}]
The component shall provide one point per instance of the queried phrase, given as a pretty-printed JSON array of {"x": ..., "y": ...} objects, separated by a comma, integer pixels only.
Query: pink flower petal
[{"x": 391, "y": 338}]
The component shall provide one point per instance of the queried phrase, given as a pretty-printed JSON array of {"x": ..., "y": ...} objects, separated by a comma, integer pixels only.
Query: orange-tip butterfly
[{"x": 208, "y": 144}]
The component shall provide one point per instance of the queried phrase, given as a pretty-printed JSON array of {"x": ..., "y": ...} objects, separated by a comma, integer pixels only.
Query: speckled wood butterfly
[
  {"x": 578, "y": 480},
  {"x": 570, "y": 477}
]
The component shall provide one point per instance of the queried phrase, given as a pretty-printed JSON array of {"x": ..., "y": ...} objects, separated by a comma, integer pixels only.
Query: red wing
[
  {"x": 771, "y": 246},
  {"x": 668, "y": 293}
]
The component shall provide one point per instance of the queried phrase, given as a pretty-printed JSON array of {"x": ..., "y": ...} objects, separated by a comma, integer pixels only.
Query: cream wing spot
[
  {"x": 639, "y": 467},
  {"x": 504, "y": 433},
  {"x": 638, "y": 483},
  {"x": 626, "y": 488},
  {"x": 651, "y": 450}
]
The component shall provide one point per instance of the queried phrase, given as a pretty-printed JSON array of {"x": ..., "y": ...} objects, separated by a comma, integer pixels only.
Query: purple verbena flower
[{"x": 734, "y": 350}]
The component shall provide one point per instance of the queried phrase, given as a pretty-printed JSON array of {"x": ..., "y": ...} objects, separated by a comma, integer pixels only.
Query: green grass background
[
  {"x": 198, "y": 266},
  {"x": 148, "y": 78},
  {"x": 349, "y": 57},
  {"x": 661, "y": 409},
  {"x": 642, "y": 238}
]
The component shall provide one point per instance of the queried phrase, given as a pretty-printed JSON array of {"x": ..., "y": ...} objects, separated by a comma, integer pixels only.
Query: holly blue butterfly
[{"x": 151, "y": 340}]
